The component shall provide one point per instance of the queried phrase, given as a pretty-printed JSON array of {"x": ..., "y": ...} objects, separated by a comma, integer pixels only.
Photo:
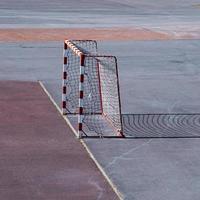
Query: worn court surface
[
  {"x": 156, "y": 77},
  {"x": 175, "y": 17},
  {"x": 37, "y": 155},
  {"x": 153, "y": 168}
]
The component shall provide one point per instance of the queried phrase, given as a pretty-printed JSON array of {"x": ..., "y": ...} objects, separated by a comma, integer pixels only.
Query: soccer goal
[{"x": 91, "y": 89}]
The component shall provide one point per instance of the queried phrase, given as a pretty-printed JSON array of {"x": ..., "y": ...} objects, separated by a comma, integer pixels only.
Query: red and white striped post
[
  {"x": 81, "y": 94},
  {"x": 64, "y": 93}
]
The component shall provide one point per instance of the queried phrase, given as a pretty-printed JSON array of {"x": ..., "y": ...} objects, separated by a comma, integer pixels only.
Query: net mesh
[
  {"x": 73, "y": 68},
  {"x": 109, "y": 90},
  {"x": 101, "y": 93}
]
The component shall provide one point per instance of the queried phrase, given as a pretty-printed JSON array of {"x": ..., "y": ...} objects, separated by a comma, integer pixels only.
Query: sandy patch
[{"x": 14, "y": 35}]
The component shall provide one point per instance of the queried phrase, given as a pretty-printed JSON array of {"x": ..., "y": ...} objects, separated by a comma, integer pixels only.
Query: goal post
[{"x": 91, "y": 88}]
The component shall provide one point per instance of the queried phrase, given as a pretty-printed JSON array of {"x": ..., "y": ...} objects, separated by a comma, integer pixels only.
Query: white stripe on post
[
  {"x": 80, "y": 103},
  {"x": 80, "y": 86},
  {"x": 80, "y": 119}
]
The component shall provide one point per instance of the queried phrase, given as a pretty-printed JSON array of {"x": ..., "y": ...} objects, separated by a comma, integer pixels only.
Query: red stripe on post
[
  {"x": 82, "y": 78},
  {"x": 80, "y": 110},
  {"x": 64, "y": 75},
  {"x": 65, "y": 60},
  {"x": 81, "y": 94},
  {"x": 65, "y": 45},
  {"x": 82, "y": 61},
  {"x": 64, "y": 89},
  {"x": 64, "y": 104},
  {"x": 80, "y": 126}
]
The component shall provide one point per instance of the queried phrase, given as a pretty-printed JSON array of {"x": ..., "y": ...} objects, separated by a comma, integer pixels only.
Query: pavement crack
[
  {"x": 98, "y": 187},
  {"x": 123, "y": 155}
]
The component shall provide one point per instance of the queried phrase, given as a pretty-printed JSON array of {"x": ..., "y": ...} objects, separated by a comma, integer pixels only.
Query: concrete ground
[
  {"x": 157, "y": 168},
  {"x": 155, "y": 77},
  {"x": 176, "y": 17}
]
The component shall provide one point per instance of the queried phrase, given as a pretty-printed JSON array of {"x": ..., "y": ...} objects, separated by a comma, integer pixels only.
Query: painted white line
[{"x": 113, "y": 186}]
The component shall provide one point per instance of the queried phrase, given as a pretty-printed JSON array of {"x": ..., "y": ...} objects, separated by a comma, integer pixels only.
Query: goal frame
[{"x": 82, "y": 56}]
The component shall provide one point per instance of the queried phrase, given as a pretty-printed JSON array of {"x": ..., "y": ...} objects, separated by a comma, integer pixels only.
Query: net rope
[{"x": 101, "y": 95}]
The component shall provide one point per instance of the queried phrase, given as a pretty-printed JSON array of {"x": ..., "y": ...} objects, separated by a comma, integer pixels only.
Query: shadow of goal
[
  {"x": 91, "y": 100},
  {"x": 161, "y": 125}
]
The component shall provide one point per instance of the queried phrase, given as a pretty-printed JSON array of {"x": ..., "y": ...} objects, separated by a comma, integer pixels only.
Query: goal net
[{"x": 91, "y": 88}]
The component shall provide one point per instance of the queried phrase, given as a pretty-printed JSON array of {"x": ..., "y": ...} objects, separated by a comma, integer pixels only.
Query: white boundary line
[{"x": 83, "y": 143}]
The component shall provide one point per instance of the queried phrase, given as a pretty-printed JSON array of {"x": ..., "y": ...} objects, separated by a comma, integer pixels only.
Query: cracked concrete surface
[{"x": 126, "y": 155}]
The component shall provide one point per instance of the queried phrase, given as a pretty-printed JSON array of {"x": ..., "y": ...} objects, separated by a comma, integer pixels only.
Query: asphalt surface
[
  {"x": 178, "y": 17},
  {"x": 140, "y": 168},
  {"x": 156, "y": 77}
]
